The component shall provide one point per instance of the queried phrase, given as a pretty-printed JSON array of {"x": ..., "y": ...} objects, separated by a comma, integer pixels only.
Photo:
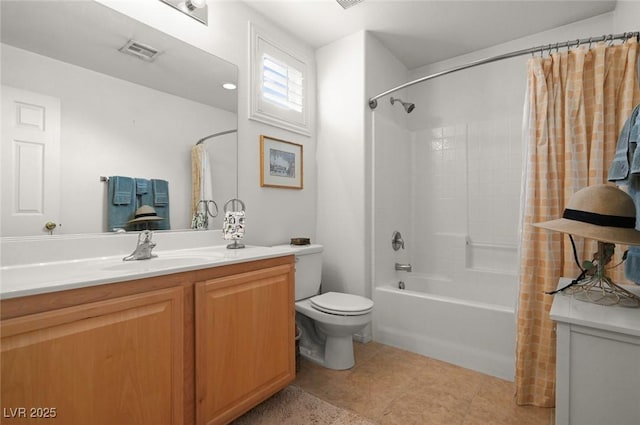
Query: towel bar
[{"x": 492, "y": 245}]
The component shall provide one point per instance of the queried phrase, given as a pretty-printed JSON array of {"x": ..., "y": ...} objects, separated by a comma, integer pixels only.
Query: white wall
[
  {"x": 349, "y": 168},
  {"x": 390, "y": 153},
  {"x": 341, "y": 165},
  {"x": 273, "y": 215},
  {"x": 625, "y": 16},
  {"x": 114, "y": 127}
]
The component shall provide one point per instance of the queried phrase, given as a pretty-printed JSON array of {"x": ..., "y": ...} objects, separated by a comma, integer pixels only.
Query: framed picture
[{"x": 280, "y": 163}]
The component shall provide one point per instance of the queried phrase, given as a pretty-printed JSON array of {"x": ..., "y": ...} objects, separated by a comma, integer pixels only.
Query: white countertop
[
  {"x": 37, "y": 278},
  {"x": 613, "y": 318}
]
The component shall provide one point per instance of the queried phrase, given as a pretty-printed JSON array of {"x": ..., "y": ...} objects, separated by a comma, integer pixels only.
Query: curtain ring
[
  {"x": 557, "y": 44},
  {"x": 590, "y": 43},
  {"x": 610, "y": 40}
]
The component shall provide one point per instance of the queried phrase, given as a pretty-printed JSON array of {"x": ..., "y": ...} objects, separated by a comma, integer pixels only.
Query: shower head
[{"x": 407, "y": 106}]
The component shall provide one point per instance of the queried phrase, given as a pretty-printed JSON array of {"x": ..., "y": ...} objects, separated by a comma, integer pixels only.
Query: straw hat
[
  {"x": 145, "y": 213},
  {"x": 601, "y": 212}
]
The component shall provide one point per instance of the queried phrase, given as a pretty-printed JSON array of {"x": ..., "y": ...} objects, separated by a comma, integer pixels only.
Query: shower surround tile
[{"x": 390, "y": 386}]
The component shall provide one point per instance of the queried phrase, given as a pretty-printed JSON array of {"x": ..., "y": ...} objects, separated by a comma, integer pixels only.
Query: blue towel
[
  {"x": 119, "y": 211},
  {"x": 634, "y": 140},
  {"x": 160, "y": 192},
  {"x": 142, "y": 186},
  {"x": 161, "y": 203},
  {"x": 143, "y": 192},
  {"x": 625, "y": 170},
  {"x": 122, "y": 190},
  {"x": 632, "y": 264},
  {"x": 620, "y": 167}
]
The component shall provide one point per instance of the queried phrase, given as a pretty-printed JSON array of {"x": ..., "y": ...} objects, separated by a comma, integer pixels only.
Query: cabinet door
[
  {"x": 118, "y": 361},
  {"x": 245, "y": 327}
]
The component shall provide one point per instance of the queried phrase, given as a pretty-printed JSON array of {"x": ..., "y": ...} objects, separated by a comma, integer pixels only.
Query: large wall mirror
[{"x": 76, "y": 108}]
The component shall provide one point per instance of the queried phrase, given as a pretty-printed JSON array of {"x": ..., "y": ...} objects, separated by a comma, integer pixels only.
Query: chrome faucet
[
  {"x": 144, "y": 247},
  {"x": 403, "y": 267}
]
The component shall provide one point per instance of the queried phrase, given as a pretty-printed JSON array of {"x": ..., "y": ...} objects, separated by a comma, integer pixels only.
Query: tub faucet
[
  {"x": 144, "y": 247},
  {"x": 403, "y": 267}
]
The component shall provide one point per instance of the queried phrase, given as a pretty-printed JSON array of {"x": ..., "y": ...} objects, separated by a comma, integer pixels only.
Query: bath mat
[{"x": 293, "y": 406}]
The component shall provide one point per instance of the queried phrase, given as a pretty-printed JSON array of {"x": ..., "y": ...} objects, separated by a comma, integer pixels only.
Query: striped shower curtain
[{"x": 577, "y": 102}]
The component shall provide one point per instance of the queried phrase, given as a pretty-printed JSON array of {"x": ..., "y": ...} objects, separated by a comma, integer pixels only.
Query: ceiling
[
  {"x": 89, "y": 35},
  {"x": 422, "y": 32}
]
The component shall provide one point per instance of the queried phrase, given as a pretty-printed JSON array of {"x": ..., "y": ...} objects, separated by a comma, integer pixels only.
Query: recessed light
[{"x": 229, "y": 86}]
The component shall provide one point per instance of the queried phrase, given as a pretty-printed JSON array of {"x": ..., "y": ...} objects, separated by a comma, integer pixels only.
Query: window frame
[{"x": 260, "y": 109}]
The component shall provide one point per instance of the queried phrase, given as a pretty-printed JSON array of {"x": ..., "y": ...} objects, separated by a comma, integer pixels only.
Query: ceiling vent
[
  {"x": 348, "y": 3},
  {"x": 139, "y": 50}
]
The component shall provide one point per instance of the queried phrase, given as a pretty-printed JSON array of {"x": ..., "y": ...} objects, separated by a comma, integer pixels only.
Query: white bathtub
[{"x": 470, "y": 323}]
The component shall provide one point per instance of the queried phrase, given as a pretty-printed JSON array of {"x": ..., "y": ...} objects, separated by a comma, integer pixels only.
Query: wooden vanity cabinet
[
  {"x": 244, "y": 345},
  {"x": 117, "y": 361},
  {"x": 194, "y": 347}
]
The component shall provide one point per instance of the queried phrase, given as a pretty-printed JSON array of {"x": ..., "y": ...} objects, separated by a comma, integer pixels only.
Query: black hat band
[
  {"x": 600, "y": 219},
  {"x": 151, "y": 214}
]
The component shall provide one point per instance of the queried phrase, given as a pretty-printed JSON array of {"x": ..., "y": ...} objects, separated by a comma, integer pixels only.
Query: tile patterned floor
[{"x": 396, "y": 387}]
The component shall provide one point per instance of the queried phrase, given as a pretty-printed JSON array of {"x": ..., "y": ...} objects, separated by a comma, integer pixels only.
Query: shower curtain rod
[
  {"x": 199, "y": 142},
  {"x": 373, "y": 101}
]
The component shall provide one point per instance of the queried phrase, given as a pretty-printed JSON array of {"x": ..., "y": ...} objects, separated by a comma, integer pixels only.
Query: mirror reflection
[{"x": 77, "y": 110}]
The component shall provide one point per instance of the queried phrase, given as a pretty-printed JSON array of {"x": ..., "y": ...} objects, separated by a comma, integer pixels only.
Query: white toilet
[{"x": 328, "y": 321}]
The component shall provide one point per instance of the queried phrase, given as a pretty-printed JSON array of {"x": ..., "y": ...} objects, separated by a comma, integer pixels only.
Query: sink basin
[{"x": 159, "y": 263}]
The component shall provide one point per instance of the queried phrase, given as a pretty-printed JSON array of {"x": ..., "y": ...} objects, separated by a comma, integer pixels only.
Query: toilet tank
[{"x": 308, "y": 270}]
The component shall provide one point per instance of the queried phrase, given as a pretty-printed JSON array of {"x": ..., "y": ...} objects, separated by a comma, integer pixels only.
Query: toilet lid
[{"x": 342, "y": 304}]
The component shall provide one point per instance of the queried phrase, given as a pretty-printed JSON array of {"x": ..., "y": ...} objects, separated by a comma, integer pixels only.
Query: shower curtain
[
  {"x": 578, "y": 101},
  {"x": 200, "y": 186}
]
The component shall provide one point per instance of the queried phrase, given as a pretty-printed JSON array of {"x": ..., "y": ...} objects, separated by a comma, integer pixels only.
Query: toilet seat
[{"x": 342, "y": 304}]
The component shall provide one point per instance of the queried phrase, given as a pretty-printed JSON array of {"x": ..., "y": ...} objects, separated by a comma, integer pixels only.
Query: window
[
  {"x": 282, "y": 84},
  {"x": 279, "y": 85}
]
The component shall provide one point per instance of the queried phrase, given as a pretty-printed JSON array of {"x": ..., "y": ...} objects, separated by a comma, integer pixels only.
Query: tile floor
[{"x": 396, "y": 387}]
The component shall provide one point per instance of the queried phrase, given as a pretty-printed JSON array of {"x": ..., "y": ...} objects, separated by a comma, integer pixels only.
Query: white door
[{"x": 30, "y": 162}]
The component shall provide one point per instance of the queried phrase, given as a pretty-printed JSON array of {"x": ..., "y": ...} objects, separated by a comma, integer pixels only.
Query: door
[{"x": 30, "y": 162}]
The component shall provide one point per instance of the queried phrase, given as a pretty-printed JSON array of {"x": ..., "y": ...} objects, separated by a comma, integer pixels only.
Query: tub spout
[{"x": 403, "y": 267}]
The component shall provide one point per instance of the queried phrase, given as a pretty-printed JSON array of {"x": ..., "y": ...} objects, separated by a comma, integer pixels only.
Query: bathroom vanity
[
  {"x": 597, "y": 372},
  {"x": 180, "y": 344}
]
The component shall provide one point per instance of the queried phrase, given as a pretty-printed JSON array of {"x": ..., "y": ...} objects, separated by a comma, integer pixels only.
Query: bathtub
[{"x": 470, "y": 323}]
